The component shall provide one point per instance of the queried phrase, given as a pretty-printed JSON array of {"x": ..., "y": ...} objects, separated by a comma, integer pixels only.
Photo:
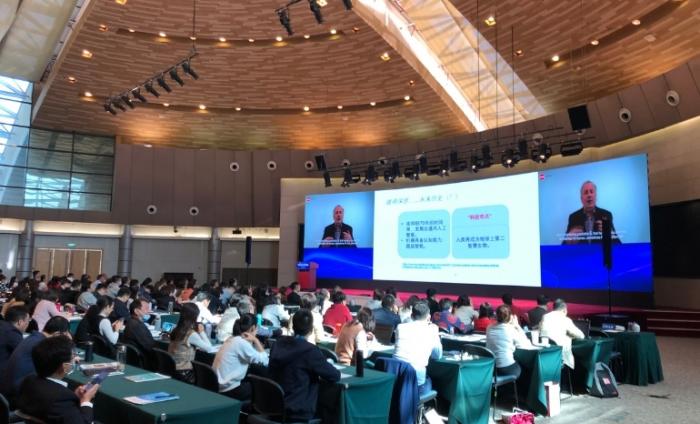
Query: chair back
[
  {"x": 268, "y": 397},
  {"x": 328, "y": 329},
  {"x": 205, "y": 376},
  {"x": 166, "y": 363},
  {"x": 384, "y": 333},
  {"x": 28, "y": 419},
  {"x": 584, "y": 325},
  {"x": 267, "y": 323},
  {"x": 598, "y": 333},
  {"x": 404, "y": 396},
  {"x": 329, "y": 354},
  {"x": 477, "y": 350},
  {"x": 4, "y": 410},
  {"x": 134, "y": 357},
  {"x": 103, "y": 347}
]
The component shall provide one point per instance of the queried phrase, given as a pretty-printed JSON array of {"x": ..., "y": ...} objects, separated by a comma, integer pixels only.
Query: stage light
[
  {"x": 327, "y": 178},
  {"x": 347, "y": 178},
  {"x": 187, "y": 67},
  {"x": 125, "y": 98},
  {"x": 507, "y": 159},
  {"x": 370, "y": 175},
  {"x": 542, "y": 153},
  {"x": 175, "y": 77},
  {"x": 316, "y": 10},
  {"x": 149, "y": 87},
  {"x": 475, "y": 163},
  {"x": 117, "y": 102},
  {"x": 347, "y": 4},
  {"x": 109, "y": 108},
  {"x": 444, "y": 168},
  {"x": 571, "y": 148},
  {"x": 284, "y": 20},
  {"x": 164, "y": 85},
  {"x": 136, "y": 92}
]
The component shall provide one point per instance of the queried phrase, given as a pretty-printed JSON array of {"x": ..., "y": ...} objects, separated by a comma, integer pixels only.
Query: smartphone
[{"x": 96, "y": 379}]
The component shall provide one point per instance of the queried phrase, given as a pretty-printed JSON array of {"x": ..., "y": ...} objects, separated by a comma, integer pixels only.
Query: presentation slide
[{"x": 478, "y": 232}]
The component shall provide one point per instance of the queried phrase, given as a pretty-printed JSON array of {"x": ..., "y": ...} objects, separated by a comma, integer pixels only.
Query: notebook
[
  {"x": 149, "y": 376},
  {"x": 154, "y": 397}
]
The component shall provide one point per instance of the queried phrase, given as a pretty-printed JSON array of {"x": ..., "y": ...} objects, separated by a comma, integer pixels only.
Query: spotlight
[
  {"x": 395, "y": 171},
  {"x": 187, "y": 67},
  {"x": 327, "y": 178},
  {"x": 475, "y": 163},
  {"x": 444, "y": 168},
  {"x": 316, "y": 10},
  {"x": 164, "y": 85},
  {"x": 109, "y": 108},
  {"x": 347, "y": 4},
  {"x": 416, "y": 172},
  {"x": 136, "y": 92},
  {"x": 347, "y": 178},
  {"x": 370, "y": 175},
  {"x": 118, "y": 103},
  {"x": 175, "y": 77},
  {"x": 387, "y": 176},
  {"x": 284, "y": 20},
  {"x": 542, "y": 153},
  {"x": 149, "y": 87},
  {"x": 507, "y": 159},
  {"x": 571, "y": 148},
  {"x": 125, "y": 98}
]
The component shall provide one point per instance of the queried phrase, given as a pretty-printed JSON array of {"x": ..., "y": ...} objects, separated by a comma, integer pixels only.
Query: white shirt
[
  {"x": 232, "y": 360},
  {"x": 502, "y": 339},
  {"x": 275, "y": 313},
  {"x": 107, "y": 331},
  {"x": 200, "y": 341},
  {"x": 416, "y": 343},
  {"x": 205, "y": 315},
  {"x": 560, "y": 329},
  {"x": 43, "y": 312},
  {"x": 224, "y": 329}
]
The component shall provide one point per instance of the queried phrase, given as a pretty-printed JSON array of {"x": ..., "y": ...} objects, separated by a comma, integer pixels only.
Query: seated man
[
  {"x": 274, "y": 311},
  {"x": 294, "y": 298},
  {"x": 297, "y": 365},
  {"x": 202, "y": 301},
  {"x": 11, "y": 330},
  {"x": 20, "y": 363},
  {"x": 137, "y": 334},
  {"x": 561, "y": 330},
  {"x": 46, "y": 396},
  {"x": 418, "y": 341},
  {"x": 121, "y": 311},
  {"x": 387, "y": 314},
  {"x": 338, "y": 314},
  {"x": 448, "y": 321},
  {"x": 535, "y": 314}
]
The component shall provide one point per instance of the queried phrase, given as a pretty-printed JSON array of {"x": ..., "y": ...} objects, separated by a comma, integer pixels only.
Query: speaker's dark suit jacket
[
  {"x": 52, "y": 403},
  {"x": 329, "y": 231},
  {"x": 578, "y": 219}
]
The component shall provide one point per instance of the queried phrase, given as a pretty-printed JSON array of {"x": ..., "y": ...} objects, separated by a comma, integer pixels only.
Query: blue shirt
[
  {"x": 20, "y": 364},
  {"x": 384, "y": 316}
]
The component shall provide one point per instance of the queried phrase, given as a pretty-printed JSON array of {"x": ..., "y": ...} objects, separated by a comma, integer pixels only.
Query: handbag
[{"x": 518, "y": 416}]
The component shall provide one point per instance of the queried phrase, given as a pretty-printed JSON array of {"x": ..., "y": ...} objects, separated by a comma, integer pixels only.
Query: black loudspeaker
[
  {"x": 578, "y": 116},
  {"x": 248, "y": 250},
  {"x": 300, "y": 244},
  {"x": 607, "y": 244}
]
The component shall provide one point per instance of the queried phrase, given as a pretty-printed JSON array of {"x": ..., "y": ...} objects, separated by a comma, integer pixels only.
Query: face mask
[{"x": 145, "y": 318}]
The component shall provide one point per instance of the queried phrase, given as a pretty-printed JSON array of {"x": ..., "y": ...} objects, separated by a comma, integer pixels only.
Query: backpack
[{"x": 604, "y": 383}]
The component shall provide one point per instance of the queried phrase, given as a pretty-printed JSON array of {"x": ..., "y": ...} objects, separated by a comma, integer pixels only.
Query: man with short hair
[
  {"x": 136, "y": 332},
  {"x": 418, "y": 341},
  {"x": 297, "y": 365},
  {"x": 11, "y": 330},
  {"x": 387, "y": 314},
  {"x": 121, "y": 310},
  {"x": 535, "y": 314},
  {"x": 205, "y": 316},
  {"x": 20, "y": 363},
  {"x": 87, "y": 298},
  {"x": 432, "y": 301},
  {"x": 561, "y": 330},
  {"x": 46, "y": 396},
  {"x": 294, "y": 298}
]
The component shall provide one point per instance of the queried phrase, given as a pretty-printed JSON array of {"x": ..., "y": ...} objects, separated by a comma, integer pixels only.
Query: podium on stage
[{"x": 306, "y": 275}]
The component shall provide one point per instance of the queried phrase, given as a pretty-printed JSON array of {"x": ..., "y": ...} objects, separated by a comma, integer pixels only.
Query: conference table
[
  {"x": 640, "y": 357},
  {"x": 587, "y": 353},
  {"x": 194, "y": 404},
  {"x": 74, "y": 320}
]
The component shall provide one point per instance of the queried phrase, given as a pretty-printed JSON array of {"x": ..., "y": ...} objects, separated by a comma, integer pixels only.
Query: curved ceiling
[{"x": 325, "y": 72}]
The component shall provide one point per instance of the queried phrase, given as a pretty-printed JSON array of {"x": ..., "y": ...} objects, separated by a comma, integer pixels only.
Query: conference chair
[
  {"x": 329, "y": 354},
  {"x": 166, "y": 363},
  {"x": 614, "y": 358},
  {"x": 134, "y": 357},
  {"x": 205, "y": 377},
  {"x": 584, "y": 325},
  {"x": 6, "y": 416},
  {"x": 407, "y": 406},
  {"x": 28, "y": 419},
  {"x": 384, "y": 334},
  {"x": 328, "y": 329},
  {"x": 102, "y": 346},
  {"x": 268, "y": 402},
  {"x": 498, "y": 380}
]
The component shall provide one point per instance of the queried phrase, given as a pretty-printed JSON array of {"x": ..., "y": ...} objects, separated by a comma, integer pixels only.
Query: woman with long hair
[
  {"x": 96, "y": 321},
  {"x": 185, "y": 338},
  {"x": 356, "y": 335}
]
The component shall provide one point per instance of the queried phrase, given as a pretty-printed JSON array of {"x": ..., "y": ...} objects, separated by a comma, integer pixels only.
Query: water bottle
[
  {"x": 121, "y": 357},
  {"x": 88, "y": 352},
  {"x": 157, "y": 323},
  {"x": 170, "y": 307},
  {"x": 259, "y": 319},
  {"x": 359, "y": 363}
]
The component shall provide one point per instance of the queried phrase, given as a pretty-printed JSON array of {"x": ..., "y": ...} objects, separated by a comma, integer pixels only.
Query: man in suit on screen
[
  {"x": 338, "y": 234},
  {"x": 586, "y": 224}
]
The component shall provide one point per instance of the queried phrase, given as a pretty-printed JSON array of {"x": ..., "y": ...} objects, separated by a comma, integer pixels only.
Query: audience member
[
  {"x": 294, "y": 298},
  {"x": 20, "y": 297},
  {"x": 224, "y": 329},
  {"x": 338, "y": 314},
  {"x": 448, "y": 321},
  {"x": 507, "y": 299},
  {"x": 273, "y": 310},
  {"x": 205, "y": 316},
  {"x": 486, "y": 317},
  {"x": 309, "y": 302},
  {"x": 297, "y": 365},
  {"x": 407, "y": 308},
  {"x": 502, "y": 338},
  {"x": 11, "y": 331},
  {"x": 233, "y": 358},
  {"x": 137, "y": 334},
  {"x": 96, "y": 322},
  {"x": 432, "y": 301},
  {"x": 121, "y": 308},
  {"x": 45, "y": 395},
  {"x": 387, "y": 313},
  {"x": 535, "y": 314},
  {"x": 418, "y": 341},
  {"x": 46, "y": 308},
  {"x": 376, "y": 301},
  {"x": 185, "y": 337},
  {"x": 356, "y": 335},
  {"x": 465, "y": 311},
  {"x": 561, "y": 330},
  {"x": 87, "y": 298}
]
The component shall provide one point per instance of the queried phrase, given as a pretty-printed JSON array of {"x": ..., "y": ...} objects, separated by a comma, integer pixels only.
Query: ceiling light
[
  {"x": 355, "y": 29},
  {"x": 202, "y": 107},
  {"x": 595, "y": 42},
  {"x": 149, "y": 87},
  {"x": 636, "y": 22},
  {"x": 127, "y": 101},
  {"x": 72, "y": 80},
  {"x": 162, "y": 34},
  {"x": 148, "y": 146},
  {"x": 407, "y": 98},
  {"x": 278, "y": 38},
  {"x": 238, "y": 109},
  {"x": 283, "y": 14},
  {"x": 316, "y": 10},
  {"x": 87, "y": 54},
  {"x": 103, "y": 28},
  {"x": 175, "y": 77},
  {"x": 555, "y": 58},
  {"x": 87, "y": 94},
  {"x": 490, "y": 20},
  {"x": 222, "y": 39},
  {"x": 193, "y": 38},
  {"x": 164, "y": 85},
  {"x": 187, "y": 67},
  {"x": 385, "y": 56},
  {"x": 650, "y": 38},
  {"x": 373, "y": 103},
  {"x": 136, "y": 92},
  {"x": 251, "y": 40},
  {"x": 166, "y": 104},
  {"x": 131, "y": 30},
  {"x": 340, "y": 107},
  {"x": 120, "y": 2},
  {"x": 307, "y": 36},
  {"x": 322, "y": 3},
  {"x": 334, "y": 31},
  {"x": 519, "y": 52},
  {"x": 306, "y": 108}
]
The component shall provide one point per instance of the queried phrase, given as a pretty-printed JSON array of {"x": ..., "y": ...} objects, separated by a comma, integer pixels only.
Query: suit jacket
[
  {"x": 19, "y": 366},
  {"x": 535, "y": 316},
  {"x": 50, "y": 402},
  {"x": 329, "y": 231},
  {"x": 10, "y": 338},
  {"x": 293, "y": 298},
  {"x": 136, "y": 333},
  {"x": 120, "y": 311},
  {"x": 578, "y": 219}
]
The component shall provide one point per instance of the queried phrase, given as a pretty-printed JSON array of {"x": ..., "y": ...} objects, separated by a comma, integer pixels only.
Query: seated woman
[
  {"x": 448, "y": 321},
  {"x": 407, "y": 309},
  {"x": 96, "y": 322},
  {"x": 356, "y": 335},
  {"x": 185, "y": 338},
  {"x": 233, "y": 358},
  {"x": 274, "y": 312},
  {"x": 465, "y": 311},
  {"x": 502, "y": 338},
  {"x": 485, "y": 317}
]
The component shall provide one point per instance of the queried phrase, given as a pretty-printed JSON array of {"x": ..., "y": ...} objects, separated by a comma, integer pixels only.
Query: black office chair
[
  {"x": 329, "y": 354},
  {"x": 498, "y": 380},
  {"x": 28, "y": 419},
  {"x": 384, "y": 334},
  {"x": 6, "y": 416},
  {"x": 268, "y": 402},
  {"x": 134, "y": 357},
  {"x": 166, "y": 363},
  {"x": 205, "y": 376},
  {"x": 102, "y": 346},
  {"x": 328, "y": 329}
]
